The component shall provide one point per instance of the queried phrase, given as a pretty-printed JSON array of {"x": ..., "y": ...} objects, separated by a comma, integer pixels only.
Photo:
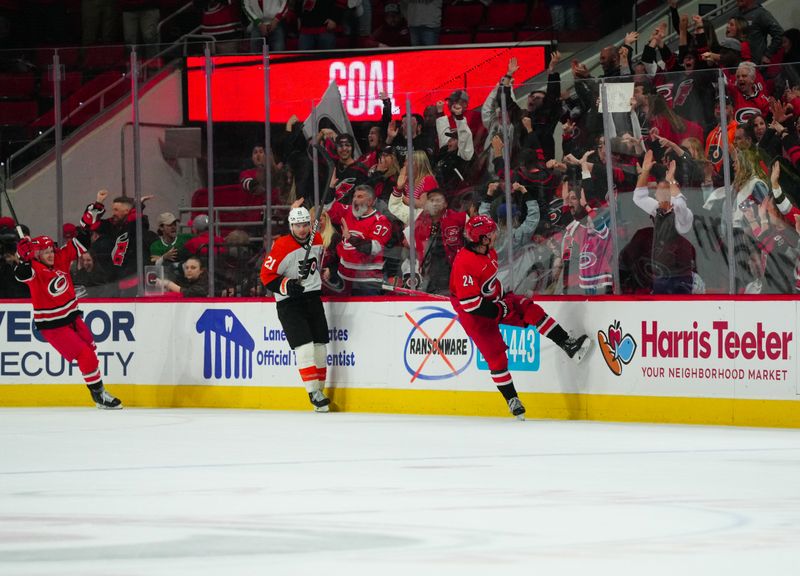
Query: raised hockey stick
[
  {"x": 13, "y": 213},
  {"x": 399, "y": 290},
  {"x": 318, "y": 209}
]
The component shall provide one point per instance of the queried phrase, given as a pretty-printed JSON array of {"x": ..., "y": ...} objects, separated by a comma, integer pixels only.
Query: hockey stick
[
  {"x": 399, "y": 290},
  {"x": 13, "y": 213},
  {"x": 318, "y": 209}
]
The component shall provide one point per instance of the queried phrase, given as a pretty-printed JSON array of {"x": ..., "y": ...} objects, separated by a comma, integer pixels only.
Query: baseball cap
[
  {"x": 69, "y": 229},
  {"x": 731, "y": 44},
  {"x": 459, "y": 95},
  {"x": 7, "y": 222},
  {"x": 391, "y": 7},
  {"x": 166, "y": 218}
]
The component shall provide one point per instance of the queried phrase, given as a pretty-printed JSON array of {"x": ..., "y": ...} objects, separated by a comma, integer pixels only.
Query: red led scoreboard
[{"x": 297, "y": 78}]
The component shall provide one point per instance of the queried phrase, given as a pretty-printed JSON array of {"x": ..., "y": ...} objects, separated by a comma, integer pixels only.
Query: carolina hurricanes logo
[
  {"x": 344, "y": 187},
  {"x": 452, "y": 234},
  {"x": 58, "y": 285},
  {"x": 684, "y": 89},
  {"x": 665, "y": 90},
  {"x": 744, "y": 114},
  {"x": 120, "y": 249},
  {"x": 587, "y": 260}
]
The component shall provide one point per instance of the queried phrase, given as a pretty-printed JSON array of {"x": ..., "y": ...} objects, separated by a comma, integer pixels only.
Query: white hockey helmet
[{"x": 299, "y": 216}]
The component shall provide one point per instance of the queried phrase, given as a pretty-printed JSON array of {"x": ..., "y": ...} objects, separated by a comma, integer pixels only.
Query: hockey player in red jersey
[
  {"x": 478, "y": 298},
  {"x": 44, "y": 267},
  {"x": 291, "y": 270}
]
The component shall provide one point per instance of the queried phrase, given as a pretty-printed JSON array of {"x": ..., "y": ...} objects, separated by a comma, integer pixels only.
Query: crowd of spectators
[
  {"x": 633, "y": 201},
  {"x": 243, "y": 25}
]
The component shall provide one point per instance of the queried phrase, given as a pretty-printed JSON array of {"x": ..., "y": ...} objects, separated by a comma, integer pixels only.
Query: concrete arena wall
[{"x": 707, "y": 361}]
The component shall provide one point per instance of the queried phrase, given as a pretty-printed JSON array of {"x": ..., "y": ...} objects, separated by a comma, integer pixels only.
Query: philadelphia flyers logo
[
  {"x": 715, "y": 153},
  {"x": 58, "y": 285}
]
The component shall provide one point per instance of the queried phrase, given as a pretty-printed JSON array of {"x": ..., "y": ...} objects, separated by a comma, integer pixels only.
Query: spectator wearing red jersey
[
  {"x": 438, "y": 236},
  {"x": 365, "y": 233},
  {"x": 220, "y": 19},
  {"x": 748, "y": 96}
]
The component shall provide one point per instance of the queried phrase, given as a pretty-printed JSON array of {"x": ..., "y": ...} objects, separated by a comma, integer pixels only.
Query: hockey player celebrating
[
  {"x": 477, "y": 296},
  {"x": 44, "y": 267},
  {"x": 291, "y": 271}
]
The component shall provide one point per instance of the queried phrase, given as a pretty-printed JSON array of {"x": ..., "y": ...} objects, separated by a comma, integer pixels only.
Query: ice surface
[{"x": 223, "y": 492}]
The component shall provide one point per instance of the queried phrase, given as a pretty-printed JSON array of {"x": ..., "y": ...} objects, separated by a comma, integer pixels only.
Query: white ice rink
[{"x": 223, "y": 493}]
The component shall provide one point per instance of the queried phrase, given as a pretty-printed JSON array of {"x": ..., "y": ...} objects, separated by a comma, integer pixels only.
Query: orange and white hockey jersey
[{"x": 284, "y": 263}]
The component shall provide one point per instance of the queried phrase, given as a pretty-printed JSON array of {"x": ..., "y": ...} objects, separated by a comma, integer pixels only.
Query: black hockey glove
[
  {"x": 294, "y": 287},
  {"x": 502, "y": 309},
  {"x": 363, "y": 245}
]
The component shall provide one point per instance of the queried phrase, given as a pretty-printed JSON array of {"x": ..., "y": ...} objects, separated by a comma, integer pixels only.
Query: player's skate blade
[
  {"x": 320, "y": 402},
  {"x": 578, "y": 348},
  {"x": 105, "y": 401},
  {"x": 516, "y": 408}
]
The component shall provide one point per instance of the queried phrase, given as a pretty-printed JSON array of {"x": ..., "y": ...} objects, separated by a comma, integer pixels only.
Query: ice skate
[
  {"x": 319, "y": 400},
  {"x": 516, "y": 408},
  {"x": 104, "y": 400},
  {"x": 577, "y": 348}
]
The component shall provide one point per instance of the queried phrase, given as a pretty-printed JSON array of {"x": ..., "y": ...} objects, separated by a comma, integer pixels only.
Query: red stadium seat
[
  {"x": 19, "y": 113},
  {"x": 451, "y": 37},
  {"x": 104, "y": 57},
  {"x": 505, "y": 15},
  {"x": 462, "y": 16},
  {"x": 539, "y": 17},
  {"x": 494, "y": 36},
  {"x": 69, "y": 84},
  {"x": 227, "y": 196},
  {"x": 17, "y": 86}
]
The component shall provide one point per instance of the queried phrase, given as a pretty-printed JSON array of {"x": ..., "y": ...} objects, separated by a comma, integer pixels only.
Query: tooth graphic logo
[
  {"x": 617, "y": 349},
  {"x": 227, "y": 346}
]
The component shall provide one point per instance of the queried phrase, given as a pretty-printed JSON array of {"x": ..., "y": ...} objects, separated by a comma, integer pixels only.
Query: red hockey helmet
[
  {"x": 42, "y": 243},
  {"x": 478, "y": 226}
]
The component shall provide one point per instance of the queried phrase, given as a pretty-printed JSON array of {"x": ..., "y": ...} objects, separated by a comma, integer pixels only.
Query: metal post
[
  {"x": 726, "y": 175},
  {"x": 267, "y": 145},
  {"x": 507, "y": 190},
  {"x": 57, "y": 77},
  {"x": 212, "y": 221},
  {"x": 412, "y": 256},
  {"x": 612, "y": 193},
  {"x": 315, "y": 154},
  {"x": 137, "y": 173}
]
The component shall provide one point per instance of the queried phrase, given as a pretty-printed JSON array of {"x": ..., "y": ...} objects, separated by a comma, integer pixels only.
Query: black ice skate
[
  {"x": 319, "y": 400},
  {"x": 516, "y": 408},
  {"x": 577, "y": 348},
  {"x": 104, "y": 400}
]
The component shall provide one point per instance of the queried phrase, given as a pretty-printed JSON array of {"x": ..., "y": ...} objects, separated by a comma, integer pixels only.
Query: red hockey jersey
[
  {"x": 354, "y": 265},
  {"x": 474, "y": 279},
  {"x": 52, "y": 291}
]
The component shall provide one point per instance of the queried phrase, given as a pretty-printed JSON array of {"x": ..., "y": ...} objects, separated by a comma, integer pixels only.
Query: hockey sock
[
  {"x": 321, "y": 361},
  {"x": 504, "y": 383},
  {"x": 89, "y": 366},
  {"x": 306, "y": 366},
  {"x": 547, "y": 326}
]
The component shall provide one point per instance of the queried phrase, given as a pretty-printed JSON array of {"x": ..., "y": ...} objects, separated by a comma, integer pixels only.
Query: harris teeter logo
[{"x": 618, "y": 350}]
